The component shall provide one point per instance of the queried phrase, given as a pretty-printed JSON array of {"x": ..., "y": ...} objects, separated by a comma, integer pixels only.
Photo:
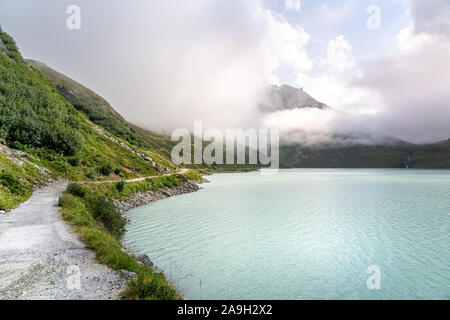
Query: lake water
[{"x": 303, "y": 234}]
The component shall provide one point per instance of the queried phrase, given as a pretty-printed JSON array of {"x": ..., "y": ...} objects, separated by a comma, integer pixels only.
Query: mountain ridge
[{"x": 285, "y": 97}]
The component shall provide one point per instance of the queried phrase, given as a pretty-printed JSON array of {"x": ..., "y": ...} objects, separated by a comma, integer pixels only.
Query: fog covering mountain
[
  {"x": 284, "y": 97},
  {"x": 350, "y": 150},
  {"x": 346, "y": 153}
]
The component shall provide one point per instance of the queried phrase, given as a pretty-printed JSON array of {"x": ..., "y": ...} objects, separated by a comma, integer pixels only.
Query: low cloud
[
  {"x": 164, "y": 64},
  {"x": 403, "y": 94}
]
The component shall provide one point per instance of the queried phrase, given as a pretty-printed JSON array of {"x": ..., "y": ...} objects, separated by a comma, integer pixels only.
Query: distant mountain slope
[
  {"x": 348, "y": 151},
  {"x": 393, "y": 153},
  {"x": 432, "y": 156},
  {"x": 285, "y": 97},
  {"x": 96, "y": 108},
  {"x": 347, "y": 156},
  {"x": 100, "y": 112}
]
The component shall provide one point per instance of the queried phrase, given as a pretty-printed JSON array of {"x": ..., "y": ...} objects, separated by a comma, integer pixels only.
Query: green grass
[
  {"x": 31, "y": 112},
  {"x": 76, "y": 209},
  {"x": 37, "y": 119},
  {"x": 152, "y": 184},
  {"x": 351, "y": 156},
  {"x": 148, "y": 285},
  {"x": 98, "y": 110},
  {"x": 16, "y": 181}
]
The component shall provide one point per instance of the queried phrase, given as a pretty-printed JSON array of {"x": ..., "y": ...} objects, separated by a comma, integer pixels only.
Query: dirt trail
[
  {"x": 40, "y": 258},
  {"x": 180, "y": 171}
]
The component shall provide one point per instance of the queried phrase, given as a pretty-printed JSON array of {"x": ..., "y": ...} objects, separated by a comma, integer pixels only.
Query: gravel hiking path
[
  {"x": 41, "y": 258},
  {"x": 179, "y": 171}
]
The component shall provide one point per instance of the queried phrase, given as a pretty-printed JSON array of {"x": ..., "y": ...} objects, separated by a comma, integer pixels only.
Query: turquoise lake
[{"x": 303, "y": 234}]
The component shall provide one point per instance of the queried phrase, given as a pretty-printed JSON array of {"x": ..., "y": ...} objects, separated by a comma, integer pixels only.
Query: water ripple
[{"x": 303, "y": 234}]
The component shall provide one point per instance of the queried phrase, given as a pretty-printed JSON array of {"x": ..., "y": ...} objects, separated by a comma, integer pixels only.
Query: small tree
[
  {"x": 77, "y": 190},
  {"x": 106, "y": 169},
  {"x": 120, "y": 186},
  {"x": 104, "y": 210}
]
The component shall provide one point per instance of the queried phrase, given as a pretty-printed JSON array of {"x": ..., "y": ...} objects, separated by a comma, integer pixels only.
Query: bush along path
[{"x": 40, "y": 258}]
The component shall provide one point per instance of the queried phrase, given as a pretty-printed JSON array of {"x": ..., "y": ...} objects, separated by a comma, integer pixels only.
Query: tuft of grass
[
  {"x": 120, "y": 186},
  {"x": 106, "y": 169},
  {"x": 194, "y": 176},
  {"x": 151, "y": 184},
  {"x": 104, "y": 211},
  {"x": 149, "y": 286},
  {"x": 14, "y": 185},
  {"x": 16, "y": 181},
  {"x": 77, "y": 190}
]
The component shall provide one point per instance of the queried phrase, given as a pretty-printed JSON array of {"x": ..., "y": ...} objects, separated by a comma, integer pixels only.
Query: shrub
[
  {"x": 66, "y": 140},
  {"x": 60, "y": 165},
  {"x": 104, "y": 210},
  {"x": 117, "y": 171},
  {"x": 66, "y": 201},
  {"x": 106, "y": 169},
  {"x": 168, "y": 183},
  {"x": 92, "y": 174},
  {"x": 77, "y": 190},
  {"x": 18, "y": 146},
  {"x": 120, "y": 186},
  {"x": 31, "y": 113},
  {"x": 149, "y": 286},
  {"x": 14, "y": 185}
]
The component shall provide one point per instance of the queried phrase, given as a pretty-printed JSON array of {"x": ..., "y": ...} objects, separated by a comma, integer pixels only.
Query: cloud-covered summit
[{"x": 165, "y": 64}]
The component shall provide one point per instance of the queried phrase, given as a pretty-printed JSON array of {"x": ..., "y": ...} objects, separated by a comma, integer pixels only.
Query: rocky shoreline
[{"x": 144, "y": 198}]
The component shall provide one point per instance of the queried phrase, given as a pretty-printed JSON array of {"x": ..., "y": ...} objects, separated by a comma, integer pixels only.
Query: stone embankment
[{"x": 144, "y": 198}]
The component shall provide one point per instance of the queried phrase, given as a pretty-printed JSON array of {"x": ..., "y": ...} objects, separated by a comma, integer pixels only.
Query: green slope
[
  {"x": 100, "y": 112},
  {"x": 51, "y": 134}
]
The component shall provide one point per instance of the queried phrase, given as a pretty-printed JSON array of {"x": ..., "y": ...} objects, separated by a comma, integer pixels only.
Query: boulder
[{"x": 145, "y": 259}]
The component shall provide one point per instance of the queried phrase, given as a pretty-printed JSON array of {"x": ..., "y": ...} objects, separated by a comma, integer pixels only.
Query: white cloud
[
  {"x": 329, "y": 83},
  {"x": 431, "y": 16},
  {"x": 292, "y": 5},
  {"x": 403, "y": 94},
  {"x": 164, "y": 64},
  {"x": 339, "y": 54},
  {"x": 169, "y": 63}
]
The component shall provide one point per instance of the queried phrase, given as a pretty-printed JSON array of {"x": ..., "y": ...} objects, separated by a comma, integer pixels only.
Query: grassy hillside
[
  {"x": 46, "y": 135},
  {"x": 99, "y": 111},
  {"x": 19, "y": 175},
  {"x": 52, "y": 134},
  {"x": 89, "y": 209}
]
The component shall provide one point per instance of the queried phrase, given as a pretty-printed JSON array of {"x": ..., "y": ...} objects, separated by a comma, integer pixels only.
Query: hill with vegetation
[
  {"x": 47, "y": 133},
  {"x": 77, "y": 136},
  {"x": 392, "y": 154},
  {"x": 100, "y": 112}
]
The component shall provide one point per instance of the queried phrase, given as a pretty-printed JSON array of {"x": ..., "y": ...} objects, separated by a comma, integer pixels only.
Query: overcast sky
[{"x": 164, "y": 64}]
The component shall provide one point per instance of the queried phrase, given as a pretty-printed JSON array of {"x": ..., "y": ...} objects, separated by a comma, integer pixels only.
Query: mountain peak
[{"x": 285, "y": 97}]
